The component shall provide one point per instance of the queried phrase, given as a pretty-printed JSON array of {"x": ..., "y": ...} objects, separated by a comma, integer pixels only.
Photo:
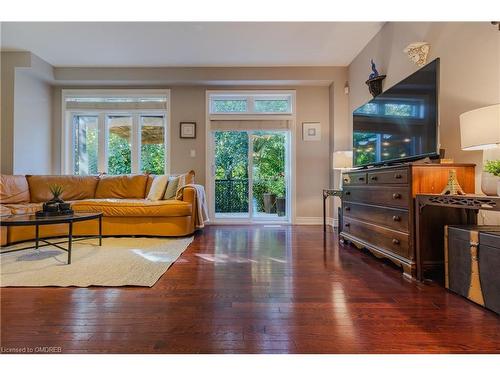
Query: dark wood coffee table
[{"x": 32, "y": 220}]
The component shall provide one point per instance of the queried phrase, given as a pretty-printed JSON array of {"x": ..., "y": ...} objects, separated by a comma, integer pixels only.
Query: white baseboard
[
  {"x": 304, "y": 220},
  {"x": 313, "y": 220}
]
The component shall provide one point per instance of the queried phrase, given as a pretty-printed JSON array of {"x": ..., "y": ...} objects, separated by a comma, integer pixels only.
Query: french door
[{"x": 250, "y": 175}]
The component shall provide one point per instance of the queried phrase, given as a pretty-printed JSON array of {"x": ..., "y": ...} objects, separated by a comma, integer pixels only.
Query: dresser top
[{"x": 412, "y": 164}]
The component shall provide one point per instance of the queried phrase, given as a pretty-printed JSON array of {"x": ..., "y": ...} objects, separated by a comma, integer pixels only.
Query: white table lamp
[
  {"x": 480, "y": 130},
  {"x": 342, "y": 160}
]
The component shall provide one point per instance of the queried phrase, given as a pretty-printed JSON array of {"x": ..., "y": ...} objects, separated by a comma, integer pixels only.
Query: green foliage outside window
[
  {"x": 231, "y": 160},
  {"x": 271, "y": 105},
  {"x": 224, "y": 105},
  {"x": 119, "y": 155},
  {"x": 85, "y": 143},
  {"x": 153, "y": 158}
]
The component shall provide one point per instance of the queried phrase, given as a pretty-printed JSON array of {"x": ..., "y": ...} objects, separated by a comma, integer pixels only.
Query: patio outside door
[{"x": 250, "y": 175}]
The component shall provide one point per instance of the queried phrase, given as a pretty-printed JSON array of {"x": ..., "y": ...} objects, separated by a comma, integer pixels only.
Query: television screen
[{"x": 401, "y": 123}]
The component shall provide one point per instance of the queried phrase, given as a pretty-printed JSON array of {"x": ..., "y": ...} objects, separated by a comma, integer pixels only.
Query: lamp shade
[
  {"x": 342, "y": 159},
  {"x": 480, "y": 128}
]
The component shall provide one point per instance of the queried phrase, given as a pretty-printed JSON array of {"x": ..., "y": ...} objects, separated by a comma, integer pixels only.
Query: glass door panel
[
  {"x": 85, "y": 139},
  {"x": 119, "y": 144},
  {"x": 231, "y": 174},
  {"x": 269, "y": 180},
  {"x": 152, "y": 144}
]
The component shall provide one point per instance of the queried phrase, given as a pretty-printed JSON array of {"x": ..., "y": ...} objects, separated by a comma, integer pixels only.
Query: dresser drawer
[
  {"x": 388, "y": 217},
  {"x": 394, "y": 176},
  {"x": 354, "y": 178},
  {"x": 382, "y": 196},
  {"x": 393, "y": 241}
]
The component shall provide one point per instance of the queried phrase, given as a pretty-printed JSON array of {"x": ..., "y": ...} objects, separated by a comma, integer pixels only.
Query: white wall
[
  {"x": 32, "y": 125},
  {"x": 26, "y": 109}
]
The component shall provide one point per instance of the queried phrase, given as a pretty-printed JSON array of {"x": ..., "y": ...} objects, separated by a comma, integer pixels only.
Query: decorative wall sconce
[
  {"x": 417, "y": 52},
  {"x": 374, "y": 81}
]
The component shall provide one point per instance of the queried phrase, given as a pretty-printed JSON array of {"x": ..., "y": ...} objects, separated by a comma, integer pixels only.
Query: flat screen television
[{"x": 401, "y": 124}]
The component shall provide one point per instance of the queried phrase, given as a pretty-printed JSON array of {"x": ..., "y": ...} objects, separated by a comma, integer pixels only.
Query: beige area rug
[{"x": 118, "y": 262}]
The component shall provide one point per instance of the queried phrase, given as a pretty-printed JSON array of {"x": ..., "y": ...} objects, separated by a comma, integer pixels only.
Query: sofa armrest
[{"x": 189, "y": 194}]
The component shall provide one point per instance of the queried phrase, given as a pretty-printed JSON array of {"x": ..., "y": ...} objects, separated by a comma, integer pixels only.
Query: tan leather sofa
[{"x": 121, "y": 199}]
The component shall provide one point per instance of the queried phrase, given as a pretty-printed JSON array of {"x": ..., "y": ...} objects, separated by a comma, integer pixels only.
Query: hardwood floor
[{"x": 255, "y": 289}]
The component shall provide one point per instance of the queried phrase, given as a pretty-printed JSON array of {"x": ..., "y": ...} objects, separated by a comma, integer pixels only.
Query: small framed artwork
[
  {"x": 311, "y": 131},
  {"x": 188, "y": 130}
]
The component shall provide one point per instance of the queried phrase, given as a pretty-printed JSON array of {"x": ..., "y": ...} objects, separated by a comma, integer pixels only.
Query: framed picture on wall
[
  {"x": 188, "y": 130},
  {"x": 311, "y": 131}
]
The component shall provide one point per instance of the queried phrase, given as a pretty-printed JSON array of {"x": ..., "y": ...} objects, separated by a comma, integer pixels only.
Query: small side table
[{"x": 330, "y": 193}]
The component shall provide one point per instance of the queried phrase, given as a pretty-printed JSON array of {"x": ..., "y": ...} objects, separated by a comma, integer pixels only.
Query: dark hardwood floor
[{"x": 255, "y": 289}]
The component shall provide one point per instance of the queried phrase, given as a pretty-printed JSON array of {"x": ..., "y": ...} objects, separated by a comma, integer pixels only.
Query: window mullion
[
  {"x": 102, "y": 144},
  {"x": 136, "y": 140}
]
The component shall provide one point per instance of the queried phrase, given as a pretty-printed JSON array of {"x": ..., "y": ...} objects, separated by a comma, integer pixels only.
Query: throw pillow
[
  {"x": 158, "y": 188},
  {"x": 173, "y": 184}
]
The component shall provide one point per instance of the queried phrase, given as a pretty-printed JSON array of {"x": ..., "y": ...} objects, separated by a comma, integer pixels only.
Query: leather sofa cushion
[
  {"x": 75, "y": 187},
  {"x": 134, "y": 207},
  {"x": 14, "y": 189},
  {"x": 123, "y": 186},
  {"x": 24, "y": 208},
  {"x": 5, "y": 211}
]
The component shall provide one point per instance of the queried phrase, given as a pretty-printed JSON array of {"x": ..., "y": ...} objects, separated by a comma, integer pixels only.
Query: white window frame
[
  {"x": 209, "y": 153},
  {"x": 251, "y": 97},
  {"x": 67, "y": 123}
]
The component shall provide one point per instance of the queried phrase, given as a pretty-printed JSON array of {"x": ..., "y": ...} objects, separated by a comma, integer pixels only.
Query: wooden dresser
[{"x": 378, "y": 206}]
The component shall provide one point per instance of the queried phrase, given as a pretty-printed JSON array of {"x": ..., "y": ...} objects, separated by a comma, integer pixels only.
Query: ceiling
[{"x": 190, "y": 43}]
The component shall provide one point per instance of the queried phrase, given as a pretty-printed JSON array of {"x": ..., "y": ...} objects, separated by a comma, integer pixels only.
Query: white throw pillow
[{"x": 158, "y": 187}]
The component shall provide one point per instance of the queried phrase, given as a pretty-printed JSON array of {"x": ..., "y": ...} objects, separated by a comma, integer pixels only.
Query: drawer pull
[
  {"x": 396, "y": 218},
  {"x": 374, "y": 178},
  {"x": 348, "y": 208},
  {"x": 347, "y": 224},
  {"x": 398, "y": 176},
  {"x": 347, "y": 193},
  {"x": 396, "y": 196},
  {"x": 361, "y": 178},
  {"x": 346, "y": 180},
  {"x": 395, "y": 241}
]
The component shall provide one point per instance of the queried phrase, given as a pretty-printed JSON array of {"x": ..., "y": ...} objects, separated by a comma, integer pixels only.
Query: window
[
  {"x": 85, "y": 144},
  {"x": 229, "y": 105},
  {"x": 152, "y": 144},
  {"x": 251, "y": 104},
  {"x": 119, "y": 144},
  {"x": 115, "y": 134}
]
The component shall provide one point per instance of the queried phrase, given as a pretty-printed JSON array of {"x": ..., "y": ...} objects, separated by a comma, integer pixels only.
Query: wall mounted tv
[{"x": 401, "y": 124}]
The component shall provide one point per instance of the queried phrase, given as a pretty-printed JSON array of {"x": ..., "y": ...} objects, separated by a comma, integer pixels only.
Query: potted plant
[
  {"x": 55, "y": 206},
  {"x": 493, "y": 184},
  {"x": 56, "y": 191},
  {"x": 277, "y": 187}
]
